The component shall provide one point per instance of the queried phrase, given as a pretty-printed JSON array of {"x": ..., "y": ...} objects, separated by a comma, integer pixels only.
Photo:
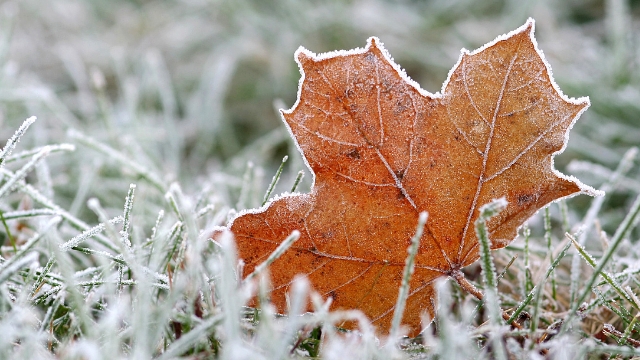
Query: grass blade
[
  {"x": 627, "y": 224},
  {"x": 274, "y": 181},
  {"x": 406, "y": 277}
]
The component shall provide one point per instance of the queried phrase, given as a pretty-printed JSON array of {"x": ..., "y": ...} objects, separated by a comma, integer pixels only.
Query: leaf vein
[
  {"x": 485, "y": 156},
  {"x": 466, "y": 89}
]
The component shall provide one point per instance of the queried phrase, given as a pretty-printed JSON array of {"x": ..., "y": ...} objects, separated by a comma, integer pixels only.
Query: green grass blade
[
  {"x": 274, "y": 181},
  {"x": 627, "y": 224},
  {"x": 406, "y": 277}
]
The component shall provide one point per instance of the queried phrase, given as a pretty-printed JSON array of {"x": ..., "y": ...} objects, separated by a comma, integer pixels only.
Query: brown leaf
[{"x": 383, "y": 150}]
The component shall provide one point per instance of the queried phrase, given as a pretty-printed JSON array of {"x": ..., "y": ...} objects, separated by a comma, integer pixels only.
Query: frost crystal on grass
[
  {"x": 76, "y": 240},
  {"x": 13, "y": 141}
]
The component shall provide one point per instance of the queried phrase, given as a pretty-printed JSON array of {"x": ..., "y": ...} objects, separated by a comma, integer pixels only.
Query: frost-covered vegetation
[{"x": 179, "y": 98}]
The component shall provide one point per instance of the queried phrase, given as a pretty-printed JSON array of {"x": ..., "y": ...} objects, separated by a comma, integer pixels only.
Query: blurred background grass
[{"x": 190, "y": 88}]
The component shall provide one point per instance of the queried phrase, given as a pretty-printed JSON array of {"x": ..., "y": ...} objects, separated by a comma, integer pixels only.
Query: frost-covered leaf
[{"x": 383, "y": 150}]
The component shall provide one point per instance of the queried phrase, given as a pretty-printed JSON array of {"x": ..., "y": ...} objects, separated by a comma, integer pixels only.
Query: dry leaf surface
[{"x": 383, "y": 150}]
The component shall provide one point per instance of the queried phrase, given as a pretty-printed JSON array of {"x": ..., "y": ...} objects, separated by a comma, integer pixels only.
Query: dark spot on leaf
[
  {"x": 354, "y": 154},
  {"x": 524, "y": 199},
  {"x": 400, "y": 107},
  {"x": 328, "y": 234},
  {"x": 348, "y": 93}
]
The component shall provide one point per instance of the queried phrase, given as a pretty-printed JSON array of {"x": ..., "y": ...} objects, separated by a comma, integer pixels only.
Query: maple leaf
[{"x": 383, "y": 150}]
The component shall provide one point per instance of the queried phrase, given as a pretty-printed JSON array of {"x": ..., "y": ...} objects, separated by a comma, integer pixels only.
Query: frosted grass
[
  {"x": 274, "y": 181},
  {"x": 23, "y": 171},
  {"x": 13, "y": 140},
  {"x": 126, "y": 217},
  {"x": 409, "y": 267},
  {"x": 596, "y": 204},
  {"x": 111, "y": 153},
  {"x": 489, "y": 277},
  {"x": 630, "y": 221},
  {"x": 284, "y": 246}
]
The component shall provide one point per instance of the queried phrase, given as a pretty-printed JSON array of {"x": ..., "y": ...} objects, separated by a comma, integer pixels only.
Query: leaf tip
[
  {"x": 374, "y": 42},
  {"x": 529, "y": 25},
  {"x": 582, "y": 188},
  {"x": 588, "y": 190},
  {"x": 303, "y": 56},
  {"x": 584, "y": 100}
]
